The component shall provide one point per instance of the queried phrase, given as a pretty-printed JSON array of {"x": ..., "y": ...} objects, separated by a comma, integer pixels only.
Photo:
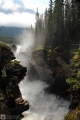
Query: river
[{"x": 44, "y": 106}]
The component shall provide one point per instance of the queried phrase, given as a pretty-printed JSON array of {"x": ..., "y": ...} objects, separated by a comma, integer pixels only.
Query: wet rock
[
  {"x": 32, "y": 73},
  {"x": 5, "y": 55},
  {"x": 20, "y": 103},
  {"x": 59, "y": 86},
  {"x": 11, "y": 73},
  {"x": 39, "y": 52},
  {"x": 73, "y": 114},
  {"x": 43, "y": 71},
  {"x": 78, "y": 116},
  {"x": 74, "y": 100},
  {"x": 44, "y": 74},
  {"x": 13, "y": 47}
]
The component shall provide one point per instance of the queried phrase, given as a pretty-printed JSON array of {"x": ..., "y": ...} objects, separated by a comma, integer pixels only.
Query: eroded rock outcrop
[
  {"x": 39, "y": 69},
  {"x": 43, "y": 71},
  {"x": 56, "y": 77},
  {"x": 11, "y": 73},
  {"x": 60, "y": 71}
]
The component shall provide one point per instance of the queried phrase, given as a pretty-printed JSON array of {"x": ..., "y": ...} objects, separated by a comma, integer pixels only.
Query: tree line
[{"x": 59, "y": 26}]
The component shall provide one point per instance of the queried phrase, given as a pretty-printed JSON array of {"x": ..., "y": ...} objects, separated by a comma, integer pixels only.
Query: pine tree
[
  {"x": 45, "y": 25},
  {"x": 36, "y": 28},
  {"x": 39, "y": 29},
  {"x": 78, "y": 20},
  {"x": 49, "y": 25},
  {"x": 74, "y": 21},
  {"x": 58, "y": 17}
]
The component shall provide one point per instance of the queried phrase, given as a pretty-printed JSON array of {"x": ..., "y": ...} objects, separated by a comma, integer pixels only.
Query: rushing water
[{"x": 43, "y": 106}]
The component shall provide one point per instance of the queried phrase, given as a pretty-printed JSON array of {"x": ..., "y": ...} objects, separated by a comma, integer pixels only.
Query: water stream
[{"x": 44, "y": 106}]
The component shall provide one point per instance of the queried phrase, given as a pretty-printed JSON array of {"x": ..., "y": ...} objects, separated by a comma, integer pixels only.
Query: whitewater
[{"x": 44, "y": 106}]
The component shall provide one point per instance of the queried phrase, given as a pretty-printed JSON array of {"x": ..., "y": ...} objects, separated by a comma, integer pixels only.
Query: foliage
[
  {"x": 8, "y": 40},
  {"x": 39, "y": 29},
  {"x": 74, "y": 73},
  {"x": 59, "y": 26},
  {"x": 70, "y": 117},
  {"x": 73, "y": 114},
  {"x": 3, "y": 73},
  {"x": 3, "y": 46},
  {"x": 39, "y": 48}
]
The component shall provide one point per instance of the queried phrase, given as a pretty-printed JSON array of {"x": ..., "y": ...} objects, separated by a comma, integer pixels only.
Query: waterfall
[{"x": 44, "y": 106}]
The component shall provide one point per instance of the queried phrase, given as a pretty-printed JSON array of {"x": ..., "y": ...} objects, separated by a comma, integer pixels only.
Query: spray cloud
[{"x": 43, "y": 106}]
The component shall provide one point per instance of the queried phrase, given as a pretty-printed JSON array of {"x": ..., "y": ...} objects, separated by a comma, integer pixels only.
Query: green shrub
[{"x": 73, "y": 77}]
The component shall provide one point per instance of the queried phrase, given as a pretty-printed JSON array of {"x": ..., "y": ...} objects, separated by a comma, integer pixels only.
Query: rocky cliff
[{"x": 11, "y": 73}]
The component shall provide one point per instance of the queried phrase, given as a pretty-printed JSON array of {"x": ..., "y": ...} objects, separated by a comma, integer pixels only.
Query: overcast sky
[{"x": 20, "y": 12}]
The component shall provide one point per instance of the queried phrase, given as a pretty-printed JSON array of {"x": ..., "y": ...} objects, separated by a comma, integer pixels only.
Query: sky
[{"x": 20, "y": 13}]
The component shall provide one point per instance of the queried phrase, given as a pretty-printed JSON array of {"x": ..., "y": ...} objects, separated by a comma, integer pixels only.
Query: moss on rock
[
  {"x": 73, "y": 114},
  {"x": 11, "y": 73}
]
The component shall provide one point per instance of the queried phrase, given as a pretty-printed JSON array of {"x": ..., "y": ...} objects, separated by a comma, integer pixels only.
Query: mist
[
  {"x": 25, "y": 47},
  {"x": 44, "y": 106},
  {"x": 26, "y": 40}
]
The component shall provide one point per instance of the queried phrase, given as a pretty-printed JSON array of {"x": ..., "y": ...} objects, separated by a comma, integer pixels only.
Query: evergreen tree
[
  {"x": 36, "y": 28},
  {"x": 45, "y": 24},
  {"x": 39, "y": 29},
  {"x": 58, "y": 18},
  {"x": 74, "y": 20},
  {"x": 60, "y": 26},
  {"x": 49, "y": 26},
  {"x": 78, "y": 20}
]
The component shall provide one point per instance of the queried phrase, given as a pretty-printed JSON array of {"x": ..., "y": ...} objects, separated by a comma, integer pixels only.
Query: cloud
[
  {"x": 34, "y": 4},
  {"x": 19, "y": 13},
  {"x": 15, "y": 14},
  {"x": 20, "y": 10},
  {"x": 9, "y": 4},
  {"x": 17, "y": 19},
  {"x": 26, "y": 4}
]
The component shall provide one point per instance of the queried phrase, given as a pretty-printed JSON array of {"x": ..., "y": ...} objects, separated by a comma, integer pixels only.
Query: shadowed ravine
[{"x": 43, "y": 106}]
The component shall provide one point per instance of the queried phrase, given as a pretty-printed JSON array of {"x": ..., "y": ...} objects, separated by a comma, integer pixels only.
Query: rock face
[
  {"x": 38, "y": 69},
  {"x": 11, "y": 73},
  {"x": 56, "y": 78},
  {"x": 73, "y": 114},
  {"x": 44, "y": 73},
  {"x": 13, "y": 47},
  {"x": 60, "y": 71}
]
